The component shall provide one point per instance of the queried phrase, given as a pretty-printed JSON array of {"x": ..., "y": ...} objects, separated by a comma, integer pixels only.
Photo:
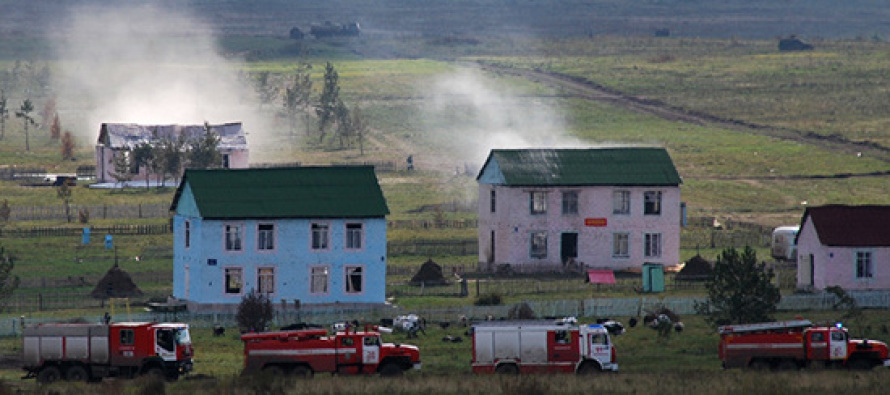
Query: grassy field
[
  {"x": 425, "y": 95},
  {"x": 684, "y": 362}
]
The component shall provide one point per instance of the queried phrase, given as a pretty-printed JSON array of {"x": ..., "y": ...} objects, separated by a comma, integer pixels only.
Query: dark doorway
[{"x": 568, "y": 247}]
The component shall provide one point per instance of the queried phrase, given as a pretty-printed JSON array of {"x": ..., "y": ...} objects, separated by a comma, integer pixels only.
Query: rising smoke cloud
[
  {"x": 480, "y": 114},
  {"x": 151, "y": 65}
]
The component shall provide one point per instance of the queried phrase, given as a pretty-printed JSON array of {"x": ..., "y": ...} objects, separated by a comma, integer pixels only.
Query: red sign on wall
[{"x": 595, "y": 222}]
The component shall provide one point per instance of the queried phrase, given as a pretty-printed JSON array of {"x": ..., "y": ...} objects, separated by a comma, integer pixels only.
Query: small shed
[
  {"x": 116, "y": 283},
  {"x": 653, "y": 277},
  {"x": 430, "y": 273},
  {"x": 696, "y": 269}
]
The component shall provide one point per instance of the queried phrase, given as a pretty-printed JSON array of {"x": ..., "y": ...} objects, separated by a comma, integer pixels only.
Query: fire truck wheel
[
  {"x": 588, "y": 368},
  {"x": 507, "y": 368},
  {"x": 273, "y": 370},
  {"x": 302, "y": 371},
  {"x": 787, "y": 365},
  {"x": 155, "y": 373},
  {"x": 861, "y": 364},
  {"x": 48, "y": 375},
  {"x": 76, "y": 373},
  {"x": 759, "y": 364},
  {"x": 391, "y": 370}
]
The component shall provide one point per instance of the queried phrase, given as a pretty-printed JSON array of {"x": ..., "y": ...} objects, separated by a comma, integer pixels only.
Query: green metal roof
[
  {"x": 624, "y": 166},
  {"x": 293, "y": 192}
]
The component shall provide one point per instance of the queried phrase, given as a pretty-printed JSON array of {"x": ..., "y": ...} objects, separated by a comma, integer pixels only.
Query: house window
[
  {"x": 319, "y": 281},
  {"x": 652, "y": 203},
  {"x": 188, "y": 234},
  {"x": 620, "y": 245},
  {"x": 652, "y": 247},
  {"x": 354, "y": 236},
  {"x": 320, "y": 236},
  {"x": 233, "y": 281},
  {"x": 265, "y": 280},
  {"x": 127, "y": 337},
  {"x": 538, "y": 248},
  {"x": 493, "y": 200},
  {"x": 864, "y": 265},
  {"x": 265, "y": 237},
  {"x": 233, "y": 237},
  {"x": 570, "y": 203},
  {"x": 621, "y": 202},
  {"x": 538, "y": 202},
  {"x": 225, "y": 161},
  {"x": 354, "y": 279}
]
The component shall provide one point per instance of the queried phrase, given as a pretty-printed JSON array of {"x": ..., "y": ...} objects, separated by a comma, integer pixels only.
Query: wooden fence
[
  {"x": 95, "y": 211},
  {"x": 54, "y": 231}
]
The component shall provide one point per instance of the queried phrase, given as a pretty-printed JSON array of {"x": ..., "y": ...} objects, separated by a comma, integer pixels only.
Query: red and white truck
[
  {"x": 308, "y": 351},
  {"x": 90, "y": 352},
  {"x": 514, "y": 347},
  {"x": 796, "y": 344}
]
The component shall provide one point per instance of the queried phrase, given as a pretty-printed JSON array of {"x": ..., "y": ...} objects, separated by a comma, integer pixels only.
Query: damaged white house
[{"x": 115, "y": 138}]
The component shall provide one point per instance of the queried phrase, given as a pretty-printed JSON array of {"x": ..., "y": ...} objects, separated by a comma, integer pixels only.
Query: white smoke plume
[
  {"x": 151, "y": 65},
  {"x": 479, "y": 115}
]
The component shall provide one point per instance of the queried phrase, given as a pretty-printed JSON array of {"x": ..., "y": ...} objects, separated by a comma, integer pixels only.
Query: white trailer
[
  {"x": 541, "y": 347},
  {"x": 784, "y": 243}
]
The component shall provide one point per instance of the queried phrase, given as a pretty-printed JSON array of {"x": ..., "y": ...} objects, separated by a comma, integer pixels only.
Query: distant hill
[{"x": 682, "y": 18}]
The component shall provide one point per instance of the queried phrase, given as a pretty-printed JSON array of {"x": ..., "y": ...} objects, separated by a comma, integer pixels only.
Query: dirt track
[{"x": 593, "y": 91}]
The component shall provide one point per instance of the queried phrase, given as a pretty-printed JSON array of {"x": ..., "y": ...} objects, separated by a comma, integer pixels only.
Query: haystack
[
  {"x": 696, "y": 269},
  {"x": 116, "y": 284},
  {"x": 430, "y": 273}
]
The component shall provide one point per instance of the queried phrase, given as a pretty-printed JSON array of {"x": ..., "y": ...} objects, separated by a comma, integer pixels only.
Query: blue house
[{"x": 316, "y": 235}]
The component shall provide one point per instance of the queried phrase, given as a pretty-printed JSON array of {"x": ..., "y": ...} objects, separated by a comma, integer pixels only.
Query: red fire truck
[
  {"x": 308, "y": 351},
  {"x": 795, "y": 344},
  {"x": 81, "y": 352},
  {"x": 513, "y": 347}
]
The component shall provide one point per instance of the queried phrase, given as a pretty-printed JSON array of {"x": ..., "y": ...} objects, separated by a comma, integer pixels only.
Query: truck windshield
[{"x": 182, "y": 337}]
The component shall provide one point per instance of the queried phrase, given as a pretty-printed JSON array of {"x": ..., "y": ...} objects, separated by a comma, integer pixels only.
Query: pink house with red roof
[{"x": 847, "y": 246}]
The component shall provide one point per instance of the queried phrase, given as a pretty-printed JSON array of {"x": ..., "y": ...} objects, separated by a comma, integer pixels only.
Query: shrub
[
  {"x": 489, "y": 299},
  {"x": 254, "y": 312},
  {"x": 521, "y": 311}
]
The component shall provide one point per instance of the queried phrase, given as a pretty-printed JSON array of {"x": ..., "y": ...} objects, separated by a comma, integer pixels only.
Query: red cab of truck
[
  {"x": 797, "y": 344},
  {"x": 82, "y": 352},
  {"x": 308, "y": 351}
]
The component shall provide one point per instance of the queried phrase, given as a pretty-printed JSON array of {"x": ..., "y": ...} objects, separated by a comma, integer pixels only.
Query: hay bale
[
  {"x": 116, "y": 284},
  {"x": 430, "y": 273},
  {"x": 696, "y": 269}
]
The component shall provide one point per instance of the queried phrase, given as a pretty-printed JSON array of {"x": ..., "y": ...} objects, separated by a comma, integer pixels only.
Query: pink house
[
  {"x": 115, "y": 137},
  {"x": 598, "y": 208},
  {"x": 848, "y": 246}
]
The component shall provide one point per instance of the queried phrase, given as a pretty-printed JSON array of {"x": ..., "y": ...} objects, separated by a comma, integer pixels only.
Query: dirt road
[{"x": 593, "y": 91}]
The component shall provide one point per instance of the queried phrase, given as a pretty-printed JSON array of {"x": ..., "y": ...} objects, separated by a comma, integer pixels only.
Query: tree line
[{"x": 336, "y": 124}]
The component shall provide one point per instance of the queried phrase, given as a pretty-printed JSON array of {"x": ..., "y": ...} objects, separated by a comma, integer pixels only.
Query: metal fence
[{"x": 592, "y": 307}]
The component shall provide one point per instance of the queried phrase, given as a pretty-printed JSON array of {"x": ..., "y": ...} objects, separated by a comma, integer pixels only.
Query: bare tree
[
  {"x": 123, "y": 168},
  {"x": 204, "y": 153},
  {"x": 64, "y": 192},
  {"x": 55, "y": 130},
  {"x": 297, "y": 95},
  {"x": 359, "y": 125},
  {"x": 329, "y": 100},
  {"x": 68, "y": 145},
  {"x": 24, "y": 113},
  {"x": 144, "y": 158},
  {"x": 4, "y": 114}
]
